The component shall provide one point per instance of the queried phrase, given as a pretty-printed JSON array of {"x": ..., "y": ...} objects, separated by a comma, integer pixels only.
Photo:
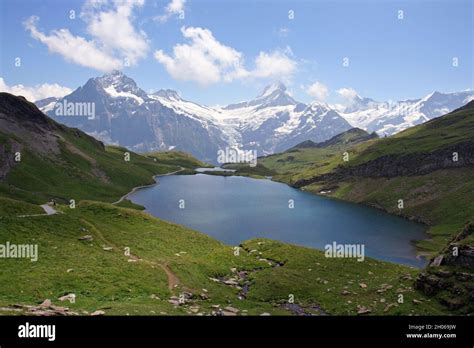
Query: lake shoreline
[
  {"x": 420, "y": 253},
  {"x": 135, "y": 189},
  {"x": 407, "y": 256}
]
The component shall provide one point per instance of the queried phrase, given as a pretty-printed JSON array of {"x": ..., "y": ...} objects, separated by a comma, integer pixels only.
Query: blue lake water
[{"x": 235, "y": 209}]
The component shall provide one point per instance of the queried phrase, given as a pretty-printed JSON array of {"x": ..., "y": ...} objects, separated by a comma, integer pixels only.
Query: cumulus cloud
[
  {"x": 317, "y": 90},
  {"x": 114, "y": 42},
  {"x": 206, "y": 60},
  {"x": 274, "y": 64},
  {"x": 348, "y": 94},
  {"x": 74, "y": 49},
  {"x": 175, "y": 7},
  {"x": 113, "y": 27},
  {"x": 34, "y": 93}
]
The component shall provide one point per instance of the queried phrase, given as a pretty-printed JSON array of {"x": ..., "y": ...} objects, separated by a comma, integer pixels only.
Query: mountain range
[{"x": 274, "y": 121}]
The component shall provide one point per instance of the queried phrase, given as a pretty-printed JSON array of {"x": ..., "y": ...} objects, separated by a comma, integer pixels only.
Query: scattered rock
[
  {"x": 363, "y": 285},
  {"x": 230, "y": 282},
  {"x": 46, "y": 303},
  {"x": 453, "y": 303},
  {"x": 194, "y": 309},
  {"x": 437, "y": 261},
  {"x": 97, "y": 313},
  {"x": 443, "y": 273},
  {"x": 362, "y": 310},
  {"x": 389, "y": 306},
  {"x": 383, "y": 288},
  {"x": 232, "y": 309},
  {"x": 69, "y": 297},
  {"x": 86, "y": 238},
  {"x": 464, "y": 276}
]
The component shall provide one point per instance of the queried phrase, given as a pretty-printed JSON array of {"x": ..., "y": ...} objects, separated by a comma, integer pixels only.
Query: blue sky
[{"x": 229, "y": 50}]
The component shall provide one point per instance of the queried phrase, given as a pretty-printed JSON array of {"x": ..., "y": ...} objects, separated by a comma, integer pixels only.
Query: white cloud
[
  {"x": 317, "y": 90},
  {"x": 74, "y": 49},
  {"x": 347, "y": 93},
  {"x": 115, "y": 42},
  {"x": 274, "y": 64},
  {"x": 206, "y": 60},
  {"x": 114, "y": 29},
  {"x": 37, "y": 92},
  {"x": 175, "y": 7}
]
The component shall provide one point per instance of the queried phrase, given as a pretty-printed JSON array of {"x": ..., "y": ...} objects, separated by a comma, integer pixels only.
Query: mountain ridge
[{"x": 271, "y": 122}]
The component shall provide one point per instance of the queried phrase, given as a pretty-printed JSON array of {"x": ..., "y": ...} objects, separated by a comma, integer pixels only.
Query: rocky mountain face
[
  {"x": 274, "y": 121},
  {"x": 22, "y": 126},
  {"x": 25, "y": 130},
  {"x": 126, "y": 115}
]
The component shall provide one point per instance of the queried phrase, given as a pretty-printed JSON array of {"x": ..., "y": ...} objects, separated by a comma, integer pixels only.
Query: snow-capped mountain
[
  {"x": 126, "y": 115},
  {"x": 387, "y": 118},
  {"x": 274, "y": 121}
]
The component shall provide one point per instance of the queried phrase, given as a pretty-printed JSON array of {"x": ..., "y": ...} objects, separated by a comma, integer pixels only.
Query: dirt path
[
  {"x": 140, "y": 187},
  {"x": 173, "y": 279},
  {"x": 48, "y": 210}
]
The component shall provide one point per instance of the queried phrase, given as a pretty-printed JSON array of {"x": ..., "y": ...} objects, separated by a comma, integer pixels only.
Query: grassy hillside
[
  {"x": 63, "y": 163},
  {"x": 305, "y": 161},
  {"x": 169, "y": 260},
  {"x": 179, "y": 159}
]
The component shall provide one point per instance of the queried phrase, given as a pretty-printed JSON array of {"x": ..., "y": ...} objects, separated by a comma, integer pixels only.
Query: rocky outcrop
[
  {"x": 7, "y": 155},
  {"x": 390, "y": 166},
  {"x": 450, "y": 275}
]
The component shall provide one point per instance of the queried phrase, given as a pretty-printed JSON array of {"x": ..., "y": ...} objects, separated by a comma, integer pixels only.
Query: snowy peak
[
  {"x": 117, "y": 84},
  {"x": 274, "y": 88},
  {"x": 275, "y": 94},
  {"x": 318, "y": 107},
  {"x": 168, "y": 94},
  {"x": 360, "y": 103}
]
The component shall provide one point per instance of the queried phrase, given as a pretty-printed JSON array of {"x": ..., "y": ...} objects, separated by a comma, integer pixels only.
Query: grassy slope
[
  {"x": 179, "y": 159},
  {"x": 87, "y": 172},
  {"x": 12, "y": 207},
  {"x": 107, "y": 280}
]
